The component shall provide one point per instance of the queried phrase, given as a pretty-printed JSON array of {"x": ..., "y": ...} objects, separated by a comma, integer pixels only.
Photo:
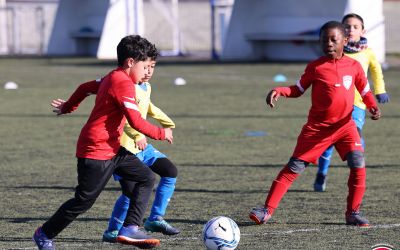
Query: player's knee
[
  {"x": 164, "y": 168},
  {"x": 85, "y": 202},
  {"x": 355, "y": 159},
  {"x": 296, "y": 165}
]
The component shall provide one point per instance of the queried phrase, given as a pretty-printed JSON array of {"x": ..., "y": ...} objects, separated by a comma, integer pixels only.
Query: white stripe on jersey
[
  {"x": 365, "y": 90},
  {"x": 299, "y": 86},
  {"x": 130, "y": 105}
]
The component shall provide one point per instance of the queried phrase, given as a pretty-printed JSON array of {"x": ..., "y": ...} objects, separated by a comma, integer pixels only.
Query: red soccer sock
[
  {"x": 356, "y": 184},
  {"x": 278, "y": 188}
]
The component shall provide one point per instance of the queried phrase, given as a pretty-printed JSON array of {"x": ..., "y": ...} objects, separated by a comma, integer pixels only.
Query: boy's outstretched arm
[
  {"x": 291, "y": 91},
  {"x": 85, "y": 89}
]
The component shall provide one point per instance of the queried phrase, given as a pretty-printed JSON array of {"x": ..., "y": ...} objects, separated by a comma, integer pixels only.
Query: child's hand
[
  {"x": 57, "y": 104},
  {"x": 376, "y": 113},
  {"x": 273, "y": 95},
  {"x": 142, "y": 143},
  {"x": 382, "y": 98},
  {"x": 168, "y": 135}
]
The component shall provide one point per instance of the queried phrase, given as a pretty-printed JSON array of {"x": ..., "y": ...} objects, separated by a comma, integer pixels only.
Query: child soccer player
[
  {"x": 99, "y": 152},
  {"x": 333, "y": 78},
  {"x": 356, "y": 48},
  {"x": 136, "y": 143}
]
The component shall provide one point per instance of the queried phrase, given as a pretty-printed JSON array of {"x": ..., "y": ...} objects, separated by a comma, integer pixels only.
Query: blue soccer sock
[
  {"x": 119, "y": 213},
  {"x": 324, "y": 161},
  {"x": 164, "y": 192}
]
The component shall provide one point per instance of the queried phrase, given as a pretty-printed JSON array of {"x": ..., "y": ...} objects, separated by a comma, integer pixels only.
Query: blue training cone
[{"x": 280, "y": 78}]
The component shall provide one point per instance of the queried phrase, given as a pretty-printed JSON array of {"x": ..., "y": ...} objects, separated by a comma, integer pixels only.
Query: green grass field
[{"x": 222, "y": 170}]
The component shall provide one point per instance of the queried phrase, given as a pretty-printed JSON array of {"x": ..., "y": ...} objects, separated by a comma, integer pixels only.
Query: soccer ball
[{"x": 221, "y": 233}]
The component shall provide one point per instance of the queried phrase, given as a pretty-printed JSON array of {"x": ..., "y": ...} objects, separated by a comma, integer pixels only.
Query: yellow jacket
[
  {"x": 146, "y": 107},
  {"x": 368, "y": 61}
]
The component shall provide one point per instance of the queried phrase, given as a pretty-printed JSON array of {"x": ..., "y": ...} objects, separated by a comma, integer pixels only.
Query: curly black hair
[{"x": 136, "y": 47}]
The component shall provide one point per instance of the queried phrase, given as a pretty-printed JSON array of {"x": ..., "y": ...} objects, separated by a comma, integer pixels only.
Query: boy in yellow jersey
[
  {"x": 136, "y": 143},
  {"x": 356, "y": 48}
]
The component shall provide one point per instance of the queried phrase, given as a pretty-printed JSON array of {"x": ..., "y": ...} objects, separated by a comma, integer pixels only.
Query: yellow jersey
[
  {"x": 368, "y": 61},
  {"x": 146, "y": 107}
]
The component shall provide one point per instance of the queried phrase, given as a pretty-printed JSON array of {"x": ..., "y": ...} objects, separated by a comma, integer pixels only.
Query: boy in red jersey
[
  {"x": 100, "y": 155},
  {"x": 334, "y": 78}
]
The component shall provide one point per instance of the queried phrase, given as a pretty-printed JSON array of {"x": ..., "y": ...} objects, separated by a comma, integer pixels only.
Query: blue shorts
[
  {"x": 358, "y": 116},
  {"x": 148, "y": 156}
]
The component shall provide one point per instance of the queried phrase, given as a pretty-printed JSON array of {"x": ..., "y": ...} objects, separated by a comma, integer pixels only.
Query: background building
[{"x": 184, "y": 27}]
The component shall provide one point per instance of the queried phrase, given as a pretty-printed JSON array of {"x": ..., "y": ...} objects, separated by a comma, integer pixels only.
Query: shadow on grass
[
  {"x": 213, "y": 165},
  {"x": 182, "y": 190},
  {"x": 42, "y": 219}
]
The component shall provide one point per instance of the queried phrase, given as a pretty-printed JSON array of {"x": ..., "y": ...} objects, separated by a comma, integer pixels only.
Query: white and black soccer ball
[{"x": 221, "y": 233}]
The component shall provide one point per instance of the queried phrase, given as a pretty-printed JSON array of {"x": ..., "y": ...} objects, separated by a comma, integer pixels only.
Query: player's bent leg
[
  {"x": 155, "y": 222},
  {"x": 117, "y": 219},
  {"x": 278, "y": 189},
  {"x": 165, "y": 189},
  {"x": 323, "y": 167},
  {"x": 357, "y": 185}
]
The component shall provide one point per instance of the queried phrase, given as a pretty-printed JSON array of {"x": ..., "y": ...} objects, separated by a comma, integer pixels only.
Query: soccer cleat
[
  {"x": 320, "y": 183},
  {"x": 160, "y": 225},
  {"x": 41, "y": 240},
  {"x": 110, "y": 236},
  {"x": 355, "y": 219},
  {"x": 259, "y": 215},
  {"x": 132, "y": 235}
]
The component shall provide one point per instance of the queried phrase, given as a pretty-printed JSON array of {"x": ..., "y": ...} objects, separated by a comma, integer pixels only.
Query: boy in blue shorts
[{"x": 356, "y": 48}]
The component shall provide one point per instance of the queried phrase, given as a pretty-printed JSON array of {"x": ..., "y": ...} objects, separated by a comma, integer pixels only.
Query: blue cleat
[
  {"x": 355, "y": 219},
  {"x": 259, "y": 215},
  {"x": 41, "y": 240},
  {"x": 110, "y": 236},
  {"x": 160, "y": 225},
  {"x": 132, "y": 235},
  {"x": 320, "y": 183}
]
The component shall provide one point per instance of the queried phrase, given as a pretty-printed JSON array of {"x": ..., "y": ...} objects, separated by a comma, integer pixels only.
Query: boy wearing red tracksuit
[
  {"x": 334, "y": 78},
  {"x": 99, "y": 152}
]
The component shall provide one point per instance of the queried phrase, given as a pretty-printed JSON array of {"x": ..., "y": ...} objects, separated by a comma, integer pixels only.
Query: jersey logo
[
  {"x": 129, "y": 98},
  {"x": 347, "y": 81},
  {"x": 358, "y": 144}
]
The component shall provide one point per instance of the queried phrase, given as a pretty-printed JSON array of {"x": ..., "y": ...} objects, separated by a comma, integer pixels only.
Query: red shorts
[{"x": 314, "y": 140}]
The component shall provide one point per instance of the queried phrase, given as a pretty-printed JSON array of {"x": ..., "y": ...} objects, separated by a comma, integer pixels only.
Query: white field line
[
  {"x": 326, "y": 229},
  {"x": 388, "y": 226}
]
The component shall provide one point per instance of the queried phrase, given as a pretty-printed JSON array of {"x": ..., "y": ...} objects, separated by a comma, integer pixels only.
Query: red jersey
[
  {"x": 333, "y": 84},
  {"x": 115, "y": 102}
]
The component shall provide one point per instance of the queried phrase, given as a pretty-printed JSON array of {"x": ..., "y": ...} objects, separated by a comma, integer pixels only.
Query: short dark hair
[
  {"x": 353, "y": 15},
  {"x": 132, "y": 46},
  {"x": 152, "y": 52},
  {"x": 332, "y": 25}
]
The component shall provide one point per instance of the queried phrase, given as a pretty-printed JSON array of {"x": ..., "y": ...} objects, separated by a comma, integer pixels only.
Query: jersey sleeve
[
  {"x": 301, "y": 86},
  {"x": 124, "y": 95},
  {"x": 84, "y": 90},
  {"x": 160, "y": 116},
  {"x": 157, "y": 114},
  {"x": 362, "y": 86},
  {"x": 133, "y": 133},
  {"x": 375, "y": 71}
]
